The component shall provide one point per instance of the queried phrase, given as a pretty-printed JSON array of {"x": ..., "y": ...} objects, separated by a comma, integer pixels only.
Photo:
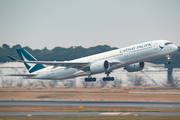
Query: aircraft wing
[{"x": 67, "y": 64}]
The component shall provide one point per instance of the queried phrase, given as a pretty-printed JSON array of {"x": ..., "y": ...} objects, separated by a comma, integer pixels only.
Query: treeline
[
  {"x": 62, "y": 54},
  {"x": 58, "y": 53}
]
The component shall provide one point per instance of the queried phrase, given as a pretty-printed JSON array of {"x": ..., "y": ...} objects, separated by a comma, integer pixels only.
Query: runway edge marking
[{"x": 110, "y": 113}]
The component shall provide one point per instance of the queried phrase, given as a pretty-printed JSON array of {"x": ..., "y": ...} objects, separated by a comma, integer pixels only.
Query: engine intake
[
  {"x": 100, "y": 66},
  {"x": 135, "y": 67}
]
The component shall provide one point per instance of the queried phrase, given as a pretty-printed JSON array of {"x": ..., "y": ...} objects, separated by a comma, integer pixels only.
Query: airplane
[{"x": 131, "y": 58}]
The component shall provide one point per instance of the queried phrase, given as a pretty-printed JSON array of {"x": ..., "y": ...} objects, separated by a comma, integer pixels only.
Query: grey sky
[{"x": 65, "y": 23}]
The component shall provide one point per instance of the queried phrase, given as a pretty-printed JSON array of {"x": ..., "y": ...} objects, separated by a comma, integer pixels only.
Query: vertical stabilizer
[{"x": 24, "y": 55}]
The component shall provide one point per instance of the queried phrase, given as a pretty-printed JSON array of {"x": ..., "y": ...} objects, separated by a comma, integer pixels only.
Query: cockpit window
[{"x": 167, "y": 43}]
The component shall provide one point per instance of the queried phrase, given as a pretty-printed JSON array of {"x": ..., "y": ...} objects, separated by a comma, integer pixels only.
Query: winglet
[{"x": 12, "y": 58}]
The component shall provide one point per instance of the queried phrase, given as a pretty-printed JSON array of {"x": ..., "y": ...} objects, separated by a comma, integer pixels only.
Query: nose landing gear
[{"x": 168, "y": 59}]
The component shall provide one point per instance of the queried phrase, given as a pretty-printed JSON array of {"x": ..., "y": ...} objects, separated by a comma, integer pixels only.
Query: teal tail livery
[
  {"x": 130, "y": 58},
  {"x": 25, "y": 56}
]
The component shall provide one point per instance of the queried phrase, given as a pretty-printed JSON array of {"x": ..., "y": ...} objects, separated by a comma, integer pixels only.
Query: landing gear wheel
[
  {"x": 90, "y": 79},
  {"x": 168, "y": 59},
  {"x": 86, "y": 79},
  {"x": 108, "y": 78},
  {"x": 168, "y": 62}
]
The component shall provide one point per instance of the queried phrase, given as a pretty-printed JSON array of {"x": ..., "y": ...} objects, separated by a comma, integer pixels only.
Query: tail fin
[{"x": 24, "y": 55}]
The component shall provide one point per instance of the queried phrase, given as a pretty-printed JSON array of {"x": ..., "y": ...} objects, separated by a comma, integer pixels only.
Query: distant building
[{"x": 154, "y": 74}]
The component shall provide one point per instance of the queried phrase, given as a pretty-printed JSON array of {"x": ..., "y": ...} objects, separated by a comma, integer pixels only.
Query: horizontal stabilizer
[
  {"x": 21, "y": 75},
  {"x": 12, "y": 58}
]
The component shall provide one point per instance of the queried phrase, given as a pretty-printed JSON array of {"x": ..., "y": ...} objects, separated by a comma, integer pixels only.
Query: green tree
[{"x": 6, "y": 46}]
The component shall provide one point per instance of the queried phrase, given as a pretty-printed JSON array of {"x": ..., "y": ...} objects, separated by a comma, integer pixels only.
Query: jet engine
[
  {"x": 135, "y": 67},
  {"x": 99, "y": 66}
]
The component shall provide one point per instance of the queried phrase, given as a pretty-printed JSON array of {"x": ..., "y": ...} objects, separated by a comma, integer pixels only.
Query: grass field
[
  {"x": 97, "y": 118},
  {"x": 91, "y": 93}
]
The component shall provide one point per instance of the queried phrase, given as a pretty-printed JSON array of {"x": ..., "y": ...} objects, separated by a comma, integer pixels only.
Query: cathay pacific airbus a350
[{"x": 131, "y": 58}]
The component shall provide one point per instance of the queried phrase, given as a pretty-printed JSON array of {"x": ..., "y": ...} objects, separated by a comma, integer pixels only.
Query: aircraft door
[
  {"x": 155, "y": 46},
  {"x": 126, "y": 53},
  {"x": 48, "y": 72}
]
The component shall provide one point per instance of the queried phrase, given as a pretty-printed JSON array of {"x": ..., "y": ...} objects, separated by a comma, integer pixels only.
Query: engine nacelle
[
  {"x": 135, "y": 67},
  {"x": 100, "y": 66}
]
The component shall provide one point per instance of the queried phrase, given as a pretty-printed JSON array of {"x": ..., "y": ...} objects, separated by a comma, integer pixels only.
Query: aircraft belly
[
  {"x": 72, "y": 75},
  {"x": 58, "y": 74}
]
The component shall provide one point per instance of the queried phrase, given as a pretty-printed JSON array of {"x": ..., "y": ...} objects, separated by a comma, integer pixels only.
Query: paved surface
[
  {"x": 61, "y": 103},
  {"x": 43, "y": 114}
]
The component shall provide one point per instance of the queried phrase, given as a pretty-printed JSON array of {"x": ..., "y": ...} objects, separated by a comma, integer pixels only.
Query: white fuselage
[{"x": 125, "y": 56}]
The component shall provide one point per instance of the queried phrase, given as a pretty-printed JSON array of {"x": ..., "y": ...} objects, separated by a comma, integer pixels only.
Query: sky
[{"x": 88, "y": 23}]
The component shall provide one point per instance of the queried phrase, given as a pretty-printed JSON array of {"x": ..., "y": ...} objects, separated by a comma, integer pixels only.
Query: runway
[
  {"x": 61, "y": 103},
  {"x": 66, "y": 103},
  {"x": 44, "y": 114}
]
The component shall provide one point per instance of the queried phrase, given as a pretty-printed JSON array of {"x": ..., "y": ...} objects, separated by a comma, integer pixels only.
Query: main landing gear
[
  {"x": 90, "y": 79},
  {"x": 168, "y": 59},
  {"x": 107, "y": 78}
]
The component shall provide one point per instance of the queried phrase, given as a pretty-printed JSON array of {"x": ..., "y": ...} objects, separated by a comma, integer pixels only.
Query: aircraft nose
[{"x": 175, "y": 48}]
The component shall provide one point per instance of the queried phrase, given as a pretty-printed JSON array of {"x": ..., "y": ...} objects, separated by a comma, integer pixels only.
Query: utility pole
[{"x": 169, "y": 74}]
